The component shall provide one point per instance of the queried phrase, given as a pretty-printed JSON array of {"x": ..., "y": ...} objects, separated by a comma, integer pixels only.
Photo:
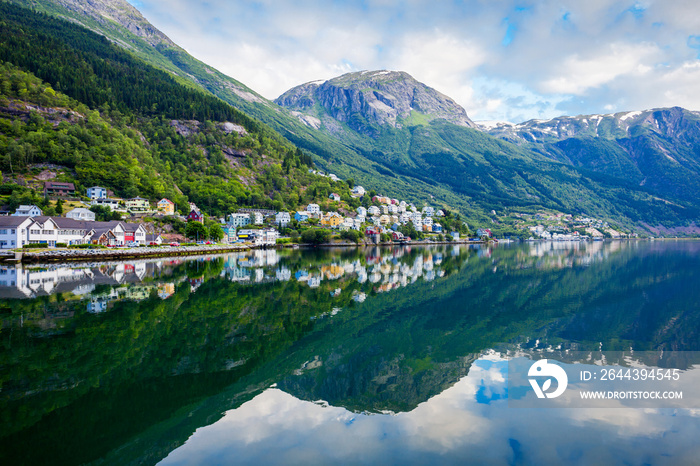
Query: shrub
[
  {"x": 61, "y": 245},
  {"x": 35, "y": 246}
]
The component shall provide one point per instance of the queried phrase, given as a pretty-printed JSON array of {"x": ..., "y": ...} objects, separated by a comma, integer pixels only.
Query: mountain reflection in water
[{"x": 123, "y": 362}]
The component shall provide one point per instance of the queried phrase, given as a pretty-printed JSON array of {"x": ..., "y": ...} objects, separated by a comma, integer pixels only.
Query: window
[{"x": 3, "y": 232}]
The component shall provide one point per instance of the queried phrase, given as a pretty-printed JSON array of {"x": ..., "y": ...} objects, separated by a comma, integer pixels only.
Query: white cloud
[
  {"x": 581, "y": 74},
  {"x": 553, "y": 55}
]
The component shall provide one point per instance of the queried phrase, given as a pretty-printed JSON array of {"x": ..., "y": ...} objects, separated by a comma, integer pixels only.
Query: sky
[{"x": 500, "y": 59}]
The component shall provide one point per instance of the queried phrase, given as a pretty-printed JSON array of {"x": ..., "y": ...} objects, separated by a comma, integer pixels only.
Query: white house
[
  {"x": 373, "y": 210},
  {"x": 70, "y": 231},
  {"x": 13, "y": 231},
  {"x": 258, "y": 218},
  {"x": 428, "y": 211},
  {"x": 238, "y": 220},
  {"x": 97, "y": 192},
  {"x": 80, "y": 213},
  {"x": 282, "y": 219},
  {"x": 348, "y": 223},
  {"x": 334, "y": 196},
  {"x": 113, "y": 204},
  {"x": 43, "y": 230},
  {"x": 361, "y": 212},
  {"x": 357, "y": 191},
  {"x": 27, "y": 211},
  {"x": 313, "y": 209}
]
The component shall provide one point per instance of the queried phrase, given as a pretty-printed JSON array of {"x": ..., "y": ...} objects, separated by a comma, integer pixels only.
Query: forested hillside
[{"x": 71, "y": 98}]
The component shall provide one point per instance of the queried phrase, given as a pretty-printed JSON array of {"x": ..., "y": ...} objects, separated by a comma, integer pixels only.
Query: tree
[
  {"x": 216, "y": 233},
  {"x": 316, "y": 236},
  {"x": 352, "y": 235},
  {"x": 195, "y": 230},
  {"x": 104, "y": 213},
  {"x": 59, "y": 207}
]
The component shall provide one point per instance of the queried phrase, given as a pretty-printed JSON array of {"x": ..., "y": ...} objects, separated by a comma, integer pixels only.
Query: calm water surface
[{"x": 372, "y": 356}]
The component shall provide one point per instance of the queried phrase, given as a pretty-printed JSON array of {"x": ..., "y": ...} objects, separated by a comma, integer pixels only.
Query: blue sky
[{"x": 499, "y": 59}]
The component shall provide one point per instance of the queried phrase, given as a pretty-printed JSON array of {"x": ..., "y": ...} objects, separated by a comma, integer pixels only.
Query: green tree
[
  {"x": 216, "y": 233},
  {"x": 316, "y": 236},
  {"x": 104, "y": 213},
  {"x": 195, "y": 230}
]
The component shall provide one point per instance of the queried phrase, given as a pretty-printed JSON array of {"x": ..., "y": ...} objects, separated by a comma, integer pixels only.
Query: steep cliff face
[{"x": 369, "y": 98}]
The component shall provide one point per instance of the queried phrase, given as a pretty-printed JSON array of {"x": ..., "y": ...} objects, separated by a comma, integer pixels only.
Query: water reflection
[
  {"x": 468, "y": 422},
  {"x": 134, "y": 357}
]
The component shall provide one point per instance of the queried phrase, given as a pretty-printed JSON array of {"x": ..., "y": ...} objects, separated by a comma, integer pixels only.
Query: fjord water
[{"x": 376, "y": 355}]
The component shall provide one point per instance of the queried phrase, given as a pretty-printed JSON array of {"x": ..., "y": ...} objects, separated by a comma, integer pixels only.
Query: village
[{"x": 382, "y": 221}]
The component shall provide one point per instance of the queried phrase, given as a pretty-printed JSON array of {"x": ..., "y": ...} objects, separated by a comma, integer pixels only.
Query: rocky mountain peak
[
  {"x": 383, "y": 97},
  {"x": 117, "y": 11}
]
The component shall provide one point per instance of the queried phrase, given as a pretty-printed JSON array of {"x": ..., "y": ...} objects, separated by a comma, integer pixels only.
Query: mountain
[
  {"x": 360, "y": 99},
  {"x": 657, "y": 148},
  {"x": 410, "y": 130}
]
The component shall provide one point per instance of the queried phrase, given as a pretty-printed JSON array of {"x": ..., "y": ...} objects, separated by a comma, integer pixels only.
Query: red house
[{"x": 195, "y": 216}]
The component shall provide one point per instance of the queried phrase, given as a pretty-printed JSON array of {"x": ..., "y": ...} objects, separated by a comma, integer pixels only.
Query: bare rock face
[
  {"x": 369, "y": 98},
  {"x": 121, "y": 12}
]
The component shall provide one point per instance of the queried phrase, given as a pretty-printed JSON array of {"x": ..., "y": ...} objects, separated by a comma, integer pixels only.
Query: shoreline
[{"x": 87, "y": 255}]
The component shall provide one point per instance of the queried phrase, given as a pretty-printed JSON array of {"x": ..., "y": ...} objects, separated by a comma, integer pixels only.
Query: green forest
[{"x": 118, "y": 123}]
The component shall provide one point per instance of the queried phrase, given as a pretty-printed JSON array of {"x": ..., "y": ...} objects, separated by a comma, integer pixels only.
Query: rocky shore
[{"x": 72, "y": 255}]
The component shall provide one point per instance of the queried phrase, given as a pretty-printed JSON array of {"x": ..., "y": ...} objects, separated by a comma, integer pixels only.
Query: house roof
[
  {"x": 43, "y": 219},
  {"x": 27, "y": 207},
  {"x": 80, "y": 210},
  {"x": 64, "y": 222},
  {"x": 12, "y": 221},
  {"x": 58, "y": 184}
]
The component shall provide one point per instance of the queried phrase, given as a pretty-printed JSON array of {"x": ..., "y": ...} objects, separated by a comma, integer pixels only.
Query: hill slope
[{"x": 132, "y": 128}]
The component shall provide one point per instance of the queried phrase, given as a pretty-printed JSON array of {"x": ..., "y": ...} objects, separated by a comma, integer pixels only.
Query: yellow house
[
  {"x": 166, "y": 207},
  {"x": 331, "y": 220}
]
